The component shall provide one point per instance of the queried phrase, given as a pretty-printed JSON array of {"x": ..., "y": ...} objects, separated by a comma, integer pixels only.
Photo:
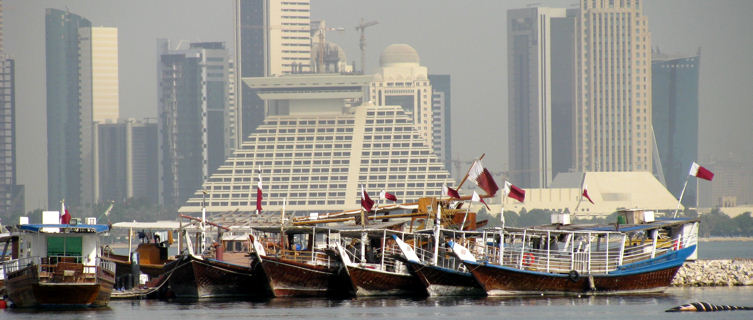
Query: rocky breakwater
[{"x": 714, "y": 273}]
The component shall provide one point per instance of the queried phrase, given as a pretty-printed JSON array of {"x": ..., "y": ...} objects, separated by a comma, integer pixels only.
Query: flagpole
[
  {"x": 697, "y": 195},
  {"x": 679, "y": 201},
  {"x": 502, "y": 212},
  {"x": 580, "y": 199},
  {"x": 462, "y": 226},
  {"x": 469, "y": 170}
]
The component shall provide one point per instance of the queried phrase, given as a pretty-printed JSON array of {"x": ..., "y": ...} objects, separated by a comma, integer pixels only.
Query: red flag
[
  {"x": 366, "y": 202},
  {"x": 258, "y": 196},
  {"x": 450, "y": 192},
  {"x": 477, "y": 198},
  {"x": 479, "y": 175},
  {"x": 66, "y": 218},
  {"x": 700, "y": 172},
  {"x": 585, "y": 194},
  {"x": 387, "y": 195},
  {"x": 514, "y": 192}
]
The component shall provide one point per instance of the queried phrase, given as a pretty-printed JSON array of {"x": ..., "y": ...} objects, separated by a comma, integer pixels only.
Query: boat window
[{"x": 64, "y": 246}]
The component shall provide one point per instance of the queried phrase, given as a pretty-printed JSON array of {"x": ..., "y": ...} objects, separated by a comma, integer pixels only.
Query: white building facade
[
  {"x": 613, "y": 108},
  {"x": 401, "y": 80}
]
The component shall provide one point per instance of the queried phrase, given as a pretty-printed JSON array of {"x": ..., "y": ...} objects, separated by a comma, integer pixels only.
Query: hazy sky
[{"x": 466, "y": 39}]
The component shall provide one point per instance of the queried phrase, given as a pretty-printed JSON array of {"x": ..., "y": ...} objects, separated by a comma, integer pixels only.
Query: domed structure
[{"x": 398, "y": 53}]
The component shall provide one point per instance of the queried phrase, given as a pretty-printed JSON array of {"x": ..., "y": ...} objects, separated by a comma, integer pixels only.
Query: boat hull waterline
[{"x": 649, "y": 276}]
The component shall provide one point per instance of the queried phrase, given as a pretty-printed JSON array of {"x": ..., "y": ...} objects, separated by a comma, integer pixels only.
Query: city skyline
[{"x": 478, "y": 70}]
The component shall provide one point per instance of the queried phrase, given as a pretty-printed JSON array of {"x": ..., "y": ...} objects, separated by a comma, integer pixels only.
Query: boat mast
[{"x": 437, "y": 221}]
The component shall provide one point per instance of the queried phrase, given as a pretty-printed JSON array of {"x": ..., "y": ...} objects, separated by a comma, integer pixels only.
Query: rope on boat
[{"x": 706, "y": 307}]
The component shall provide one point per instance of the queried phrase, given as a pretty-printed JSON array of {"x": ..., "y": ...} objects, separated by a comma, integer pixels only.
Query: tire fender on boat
[{"x": 573, "y": 276}]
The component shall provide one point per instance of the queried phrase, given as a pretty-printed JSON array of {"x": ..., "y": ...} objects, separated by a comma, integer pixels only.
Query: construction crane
[
  {"x": 362, "y": 27},
  {"x": 319, "y": 30}
]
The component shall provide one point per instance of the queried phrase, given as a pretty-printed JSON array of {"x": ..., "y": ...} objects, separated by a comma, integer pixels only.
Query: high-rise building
[
  {"x": 318, "y": 145},
  {"x": 675, "y": 119},
  {"x": 127, "y": 161},
  {"x": 318, "y": 161},
  {"x": 613, "y": 87},
  {"x": 441, "y": 105},
  {"x": 1, "y": 26},
  {"x": 540, "y": 59},
  {"x": 64, "y": 142},
  {"x": 11, "y": 194},
  {"x": 231, "y": 109},
  {"x": 402, "y": 81},
  {"x": 98, "y": 96},
  {"x": 193, "y": 90},
  {"x": 271, "y": 38}
]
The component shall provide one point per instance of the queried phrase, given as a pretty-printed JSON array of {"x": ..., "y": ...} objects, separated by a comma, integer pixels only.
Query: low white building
[{"x": 610, "y": 192}]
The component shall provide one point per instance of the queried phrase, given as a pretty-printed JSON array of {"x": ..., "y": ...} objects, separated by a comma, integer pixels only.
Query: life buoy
[
  {"x": 573, "y": 276},
  {"x": 528, "y": 259}
]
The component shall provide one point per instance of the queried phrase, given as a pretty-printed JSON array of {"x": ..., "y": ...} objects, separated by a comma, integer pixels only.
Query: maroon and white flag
[
  {"x": 482, "y": 178},
  {"x": 698, "y": 171},
  {"x": 258, "y": 195},
  {"x": 514, "y": 192},
  {"x": 450, "y": 192},
  {"x": 387, "y": 196},
  {"x": 366, "y": 202},
  {"x": 585, "y": 194},
  {"x": 477, "y": 198}
]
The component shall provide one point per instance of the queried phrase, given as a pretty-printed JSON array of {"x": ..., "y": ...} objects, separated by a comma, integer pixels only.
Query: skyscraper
[
  {"x": 271, "y": 38},
  {"x": 127, "y": 161},
  {"x": 64, "y": 142},
  {"x": 613, "y": 101},
  {"x": 441, "y": 105},
  {"x": 675, "y": 118},
  {"x": 98, "y": 96},
  {"x": 193, "y": 92},
  {"x": 540, "y": 59},
  {"x": 11, "y": 194}
]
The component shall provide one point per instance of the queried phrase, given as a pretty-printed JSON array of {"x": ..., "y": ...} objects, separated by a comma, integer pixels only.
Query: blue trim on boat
[
  {"x": 668, "y": 260},
  {"x": 82, "y": 228}
]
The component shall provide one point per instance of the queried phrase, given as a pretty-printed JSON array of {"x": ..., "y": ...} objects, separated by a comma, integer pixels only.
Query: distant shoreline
[{"x": 714, "y": 239}]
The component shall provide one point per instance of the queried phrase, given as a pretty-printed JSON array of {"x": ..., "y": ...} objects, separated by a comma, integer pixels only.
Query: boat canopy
[
  {"x": 161, "y": 225},
  {"x": 65, "y": 228}
]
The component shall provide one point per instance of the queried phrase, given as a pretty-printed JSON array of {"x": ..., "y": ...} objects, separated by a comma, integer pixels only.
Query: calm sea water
[
  {"x": 725, "y": 249},
  {"x": 610, "y": 307},
  {"x": 604, "y": 307}
]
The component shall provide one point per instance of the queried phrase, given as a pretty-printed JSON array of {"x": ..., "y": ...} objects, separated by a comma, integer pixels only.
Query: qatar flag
[
  {"x": 366, "y": 202},
  {"x": 387, "y": 196},
  {"x": 482, "y": 178},
  {"x": 258, "y": 196},
  {"x": 514, "y": 192},
  {"x": 450, "y": 192},
  {"x": 585, "y": 194},
  {"x": 698, "y": 171},
  {"x": 477, "y": 198}
]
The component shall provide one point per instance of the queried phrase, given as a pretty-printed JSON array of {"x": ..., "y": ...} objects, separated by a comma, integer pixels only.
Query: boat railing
[
  {"x": 305, "y": 256},
  {"x": 60, "y": 269},
  {"x": 390, "y": 260}
]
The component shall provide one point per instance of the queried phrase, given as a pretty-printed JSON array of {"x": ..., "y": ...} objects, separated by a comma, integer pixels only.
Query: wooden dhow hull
[
  {"x": 372, "y": 282},
  {"x": 446, "y": 282},
  {"x": 123, "y": 267},
  {"x": 26, "y": 290},
  {"x": 195, "y": 278},
  {"x": 649, "y": 276},
  {"x": 294, "y": 279}
]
